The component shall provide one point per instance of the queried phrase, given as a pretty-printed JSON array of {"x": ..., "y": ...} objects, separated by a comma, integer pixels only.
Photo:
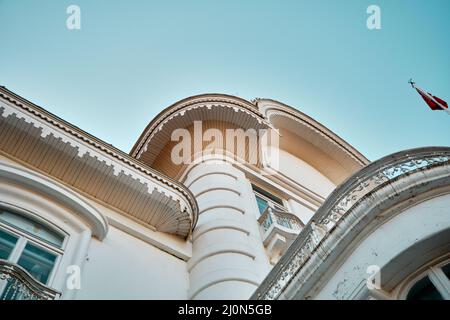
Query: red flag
[{"x": 433, "y": 102}]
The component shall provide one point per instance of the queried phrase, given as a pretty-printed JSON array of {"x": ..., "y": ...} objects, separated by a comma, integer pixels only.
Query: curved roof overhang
[
  {"x": 358, "y": 206},
  {"x": 219, "y": 110},
  {"x": 50, "y": 145},
  {"x": 312, "y": 142},
  {"x": 328, "y": 153}
]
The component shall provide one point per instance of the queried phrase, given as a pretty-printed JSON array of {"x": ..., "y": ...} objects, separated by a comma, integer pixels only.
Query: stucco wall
[
  {"x": 300, "y": 210},
  {"x": 304, "y": 174},
  {"x": 124, "y": 267}
]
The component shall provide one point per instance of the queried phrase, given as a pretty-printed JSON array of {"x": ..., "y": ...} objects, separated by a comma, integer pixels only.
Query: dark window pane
[
  {"x": 7, "y": 244},
  {"x": 38, "y": 262},
  {"x": 424, "y": 290}
]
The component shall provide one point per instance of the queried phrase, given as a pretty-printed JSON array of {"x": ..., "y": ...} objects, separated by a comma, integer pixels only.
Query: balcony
[
  {"x": 18, "y": 284},
  {"x": 278, "y": 229}
]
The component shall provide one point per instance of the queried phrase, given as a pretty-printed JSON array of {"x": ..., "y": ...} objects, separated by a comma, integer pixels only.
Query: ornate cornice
[
  {"x": 85, "y": 143},
  {"x": 343, "y": 200},
  {"x": 279, "y": 108},
  {"x": 208, "y": 101},
  {"x": 322, "y": 133}
]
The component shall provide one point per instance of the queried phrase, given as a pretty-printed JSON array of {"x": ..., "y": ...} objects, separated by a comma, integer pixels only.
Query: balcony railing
[
  {"x": 278, "y": 230},
  {"x": 281, "y": 219},
  {"x": 18, "y": 284}
]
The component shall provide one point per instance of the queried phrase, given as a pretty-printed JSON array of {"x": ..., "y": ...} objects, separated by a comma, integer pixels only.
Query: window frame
[
  {"x": 24, "y": 238},
  {"x": 437, "y": 278},
  {"x": 270, "y": 202}
]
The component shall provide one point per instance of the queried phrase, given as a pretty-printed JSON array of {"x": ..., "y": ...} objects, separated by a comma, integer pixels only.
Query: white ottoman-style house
[{"x": 199, "y": 210}]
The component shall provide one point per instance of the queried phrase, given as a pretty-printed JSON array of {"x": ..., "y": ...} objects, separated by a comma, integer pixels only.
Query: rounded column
[{"x": 228, "y": 259}]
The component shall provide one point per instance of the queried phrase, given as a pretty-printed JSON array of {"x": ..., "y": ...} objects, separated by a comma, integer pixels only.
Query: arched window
[
  {"x": 434, "y": 285},
  {"x": 32, "y": 245}
]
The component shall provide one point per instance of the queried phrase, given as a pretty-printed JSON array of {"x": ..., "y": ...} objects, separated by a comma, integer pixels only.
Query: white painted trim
[
  {"x": 53, "y": 189},
  {"x": 440, "y": 281},
  {"x": 183, "y": 251},
  {"x": 221, "y": 248},
  {"x": 219, "y": 224}
]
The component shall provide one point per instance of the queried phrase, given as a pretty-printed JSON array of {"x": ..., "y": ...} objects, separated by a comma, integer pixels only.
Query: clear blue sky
[{"x": 131, "y": 59}]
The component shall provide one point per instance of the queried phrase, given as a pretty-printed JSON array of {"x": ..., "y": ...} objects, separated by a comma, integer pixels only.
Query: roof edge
[
  {"x": 140, "y": 141},
  {"x": 101, "y": 145},
  {"x": 322, "y": 128}
]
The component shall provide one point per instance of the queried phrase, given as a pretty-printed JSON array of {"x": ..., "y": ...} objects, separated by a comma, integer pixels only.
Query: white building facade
[{"x": 198, "y": 210}]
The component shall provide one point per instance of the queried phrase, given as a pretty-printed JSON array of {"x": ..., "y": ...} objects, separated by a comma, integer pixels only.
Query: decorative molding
[
  {"x": 329, "y": 137},
  {"x": 213, "y": 206},
  {"x": 40, "y": 183},
  {"x": 122, "y": 166},
  {"x": 340, "y": 203},
  {"x": 180, "y": 108},
  {"x": 208, "y": 174},
  {"x": 269, "y": 107},
  {"x": 235, "y": 275},
  {"x": 221, "y": 248},
  {"x": 128, "y": 166},
  {"x": 219, "y": 224},
  {"x": 228, "y": 189}
]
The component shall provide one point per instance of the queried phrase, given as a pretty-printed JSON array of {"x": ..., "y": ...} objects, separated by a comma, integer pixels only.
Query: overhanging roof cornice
[
  {"x": 272, "y": 108},
  {"x": 173, "y": 208},
  {"x": 211, "y": 102}
]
